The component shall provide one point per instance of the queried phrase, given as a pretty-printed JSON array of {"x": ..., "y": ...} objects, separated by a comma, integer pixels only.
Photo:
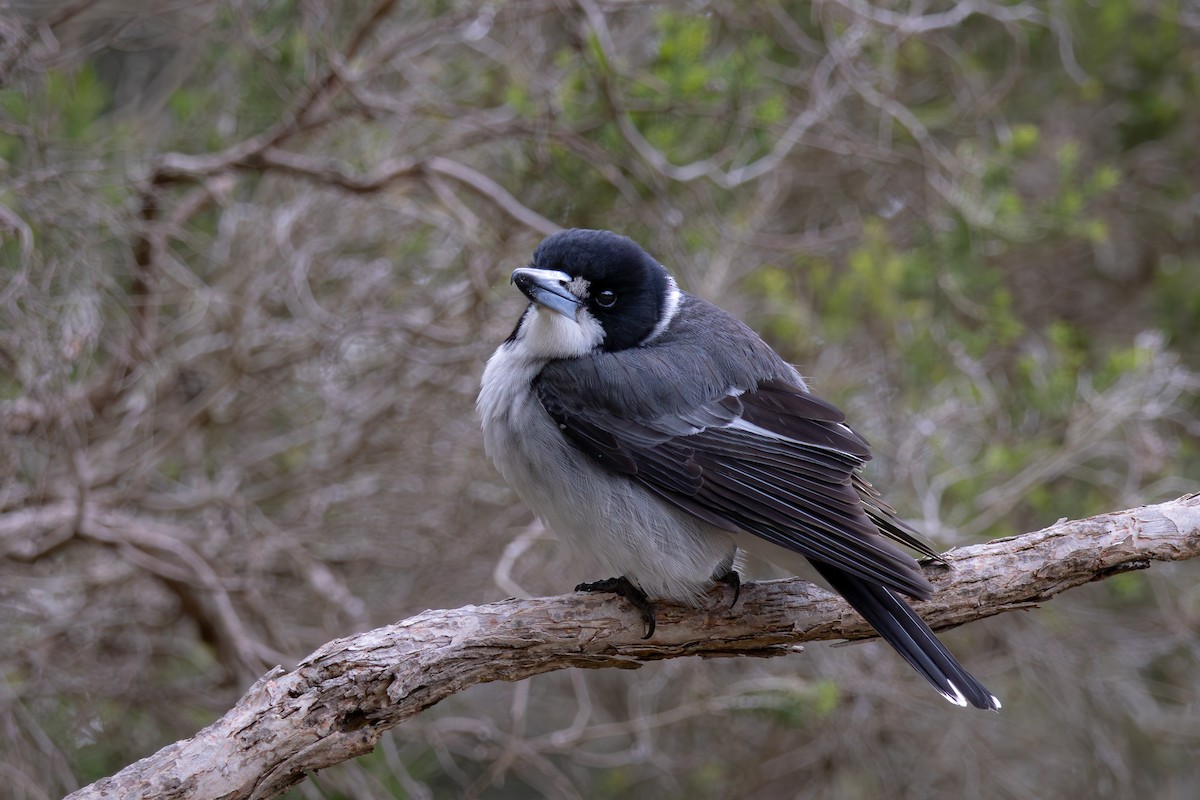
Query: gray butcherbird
[{"x": 657, "y": 434}]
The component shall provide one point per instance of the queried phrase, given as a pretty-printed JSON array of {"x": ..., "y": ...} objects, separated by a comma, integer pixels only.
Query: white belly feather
[{"x": 613, "y": 526}]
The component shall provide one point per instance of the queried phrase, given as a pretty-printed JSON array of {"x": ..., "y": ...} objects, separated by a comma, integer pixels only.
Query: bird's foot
[
  {"x": 624, "y": 587},
  {"x": 732, "y": 579}
]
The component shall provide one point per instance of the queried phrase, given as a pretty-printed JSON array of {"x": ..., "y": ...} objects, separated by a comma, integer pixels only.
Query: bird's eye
[{"x": 607, "y": 298}]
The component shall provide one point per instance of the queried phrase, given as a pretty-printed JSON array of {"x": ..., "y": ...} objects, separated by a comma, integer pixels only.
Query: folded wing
[{"x": 772, "y": 459}]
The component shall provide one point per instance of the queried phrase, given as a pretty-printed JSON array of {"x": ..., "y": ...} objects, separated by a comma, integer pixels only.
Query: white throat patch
[{"x": 546, "y": 334}]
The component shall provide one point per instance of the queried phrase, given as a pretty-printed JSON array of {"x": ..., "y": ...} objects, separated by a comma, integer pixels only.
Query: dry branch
[{"x": 338, "y": 701}]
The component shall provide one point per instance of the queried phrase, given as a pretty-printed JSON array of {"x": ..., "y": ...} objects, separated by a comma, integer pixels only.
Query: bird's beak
[{"x": 547, "y": 288}]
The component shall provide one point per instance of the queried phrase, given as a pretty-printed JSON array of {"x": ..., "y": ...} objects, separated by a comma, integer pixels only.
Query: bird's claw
[
  {"x": 732, "y": 579},
  {"x": 625, "y": 588}
]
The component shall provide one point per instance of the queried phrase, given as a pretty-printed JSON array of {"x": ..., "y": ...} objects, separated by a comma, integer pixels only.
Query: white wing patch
[{"x": 740, "y": 424}]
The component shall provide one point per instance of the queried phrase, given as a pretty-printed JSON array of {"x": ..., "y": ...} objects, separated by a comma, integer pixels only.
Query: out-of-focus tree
[{"x": 252, "y": 262}]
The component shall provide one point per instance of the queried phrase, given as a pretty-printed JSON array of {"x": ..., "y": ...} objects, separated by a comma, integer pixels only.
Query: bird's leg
[
  {"x": 731, "y": 578},
  {"x": 624, "y": 587}
]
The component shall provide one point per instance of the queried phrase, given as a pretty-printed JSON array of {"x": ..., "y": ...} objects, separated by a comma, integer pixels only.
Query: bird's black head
[{"x": 609, "y": 277}]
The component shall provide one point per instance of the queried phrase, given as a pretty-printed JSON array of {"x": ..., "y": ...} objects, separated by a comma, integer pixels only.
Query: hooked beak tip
[{"x": 547, "y": 289}]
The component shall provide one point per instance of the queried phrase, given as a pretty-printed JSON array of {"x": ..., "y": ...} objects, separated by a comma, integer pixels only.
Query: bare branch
[
  {"x": 336, "y": 173},
  {"x": 916, "y": 22},
  {"x": 24, "y": 40},
  {"x": 338, "y": 701},
  {"x": 493, "y": 191},
  {"x": 824, "y": 100}
]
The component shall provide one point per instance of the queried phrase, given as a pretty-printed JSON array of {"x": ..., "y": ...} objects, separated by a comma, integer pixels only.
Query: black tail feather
[{"x": 900, "y": 627}]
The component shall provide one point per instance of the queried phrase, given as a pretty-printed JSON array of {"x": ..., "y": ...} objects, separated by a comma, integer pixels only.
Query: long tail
[{"x": 900, "y": 627}]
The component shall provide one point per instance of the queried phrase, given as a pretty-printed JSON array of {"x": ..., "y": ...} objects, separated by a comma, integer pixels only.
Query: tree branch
[{"x": 338, "y": 701}]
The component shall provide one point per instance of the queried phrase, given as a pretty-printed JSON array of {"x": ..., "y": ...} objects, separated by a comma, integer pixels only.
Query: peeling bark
[{"x": 337, "y": 702}]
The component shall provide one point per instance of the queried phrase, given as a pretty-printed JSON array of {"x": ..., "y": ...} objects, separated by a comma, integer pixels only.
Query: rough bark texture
[{"x": 337, "y": 702}]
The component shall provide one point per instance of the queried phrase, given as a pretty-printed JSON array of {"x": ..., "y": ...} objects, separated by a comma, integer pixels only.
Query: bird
[{"x": 656, "y": 434}]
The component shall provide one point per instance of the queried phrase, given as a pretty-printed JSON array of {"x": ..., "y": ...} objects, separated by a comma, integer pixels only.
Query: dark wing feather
[
  {"x": 802, "y": 416},
  {"x": 775, "y": 461},
  {"x": 891, "y": 526}
]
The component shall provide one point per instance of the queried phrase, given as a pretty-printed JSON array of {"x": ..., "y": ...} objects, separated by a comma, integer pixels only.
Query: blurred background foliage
[{"x": 254, "y": 256}]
